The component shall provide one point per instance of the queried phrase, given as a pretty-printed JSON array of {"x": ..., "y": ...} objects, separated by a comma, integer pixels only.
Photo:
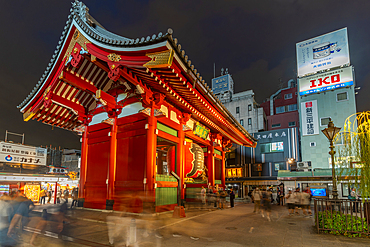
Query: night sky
[{"x": 255, "y": 40}]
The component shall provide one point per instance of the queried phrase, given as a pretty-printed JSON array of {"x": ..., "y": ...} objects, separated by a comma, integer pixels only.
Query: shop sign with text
[{"x": 22, "y": 154}]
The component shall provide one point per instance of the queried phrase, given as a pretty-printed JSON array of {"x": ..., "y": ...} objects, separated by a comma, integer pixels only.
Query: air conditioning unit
[{"x": 304, "y": 166}]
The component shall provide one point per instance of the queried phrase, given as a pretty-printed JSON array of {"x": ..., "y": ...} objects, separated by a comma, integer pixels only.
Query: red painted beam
[
  {"x": 68, "y": 104},
  {"x": 79, "y": 83}
]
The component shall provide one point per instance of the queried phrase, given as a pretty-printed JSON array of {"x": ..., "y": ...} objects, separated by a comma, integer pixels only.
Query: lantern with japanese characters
[{"x": 194, "y": 160}]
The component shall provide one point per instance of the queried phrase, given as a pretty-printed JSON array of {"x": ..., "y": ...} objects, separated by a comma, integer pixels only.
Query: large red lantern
[{"x": 194, "y": 160}]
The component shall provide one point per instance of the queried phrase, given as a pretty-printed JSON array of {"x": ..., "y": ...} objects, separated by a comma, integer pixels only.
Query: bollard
[{"x": 132, "y": 235}]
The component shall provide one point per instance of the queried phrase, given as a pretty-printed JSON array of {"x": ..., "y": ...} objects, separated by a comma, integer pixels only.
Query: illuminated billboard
[
  {"x": 330, "y": 80},
  {"x": 323, "y": 52},
  {"x": 221, "y": 84},
  {"x": 16, "y": 153}
]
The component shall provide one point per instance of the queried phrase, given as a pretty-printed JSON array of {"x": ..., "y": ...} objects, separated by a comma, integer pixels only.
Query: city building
[
  {"x": 281, "y": 108},
  {"x": 326, "y": 91},
  {"x": 250, "y": 115},
  {"x": 152, "y": 130}
]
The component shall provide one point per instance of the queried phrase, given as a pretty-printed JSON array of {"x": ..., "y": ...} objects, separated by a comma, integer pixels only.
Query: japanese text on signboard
[
  {"x": 15, "y": 153},
  {"x": 201, "y": 131}
]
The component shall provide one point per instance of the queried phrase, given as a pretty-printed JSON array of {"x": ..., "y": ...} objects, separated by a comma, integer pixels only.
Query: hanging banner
[
  {"x": 309, "y": 118},
  {"x": 22, "y": 154},
  {"x": 323, "y": 52},
  {"x": 330, "y": 80}
]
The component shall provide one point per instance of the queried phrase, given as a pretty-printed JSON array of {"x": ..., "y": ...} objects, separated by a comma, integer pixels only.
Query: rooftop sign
[
  {"x": 221, "y": 84},
  {"x": 330, "y": 80},
  {"x": 323, "y": 52}
]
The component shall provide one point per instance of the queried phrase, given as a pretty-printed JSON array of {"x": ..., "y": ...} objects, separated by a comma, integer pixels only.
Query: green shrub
[{"x": 342, "y": 224}]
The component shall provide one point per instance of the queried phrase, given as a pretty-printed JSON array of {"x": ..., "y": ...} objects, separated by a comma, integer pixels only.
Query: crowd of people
[
  {"x": 295, "y": 201},
  {"x": 60, "y": 194},
  {"x": 216, "y": 197},
  {"x": 15, "y": 214}
]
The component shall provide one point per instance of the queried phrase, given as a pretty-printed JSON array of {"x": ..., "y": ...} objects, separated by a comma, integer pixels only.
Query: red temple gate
[{"x": 143, "y": 111}]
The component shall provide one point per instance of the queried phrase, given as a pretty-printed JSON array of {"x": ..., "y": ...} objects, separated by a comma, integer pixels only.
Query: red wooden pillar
[
  {"x": 83, "y": 166},
  {"x": 180, "y": 159},
  {"x": 55, "y": 192},
  {"x": 211, "y": 165},
  {"x": 112, "y": 163},
  {"x": 223, "y": 170},
  {"x": 151, "y": 153}
]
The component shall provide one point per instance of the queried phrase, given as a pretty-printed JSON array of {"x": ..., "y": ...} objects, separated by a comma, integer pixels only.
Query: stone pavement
[{"x": 230, "y": 227}]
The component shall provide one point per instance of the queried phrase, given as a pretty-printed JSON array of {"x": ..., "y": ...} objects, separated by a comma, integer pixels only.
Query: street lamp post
[{"x": 330, "y": 132}]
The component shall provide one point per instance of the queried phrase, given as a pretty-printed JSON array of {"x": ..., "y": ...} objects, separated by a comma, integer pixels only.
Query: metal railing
[{"x": 342, "y": 216}]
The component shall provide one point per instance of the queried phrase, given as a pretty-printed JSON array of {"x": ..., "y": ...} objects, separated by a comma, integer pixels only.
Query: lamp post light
[{"x": 330, "y": 132}]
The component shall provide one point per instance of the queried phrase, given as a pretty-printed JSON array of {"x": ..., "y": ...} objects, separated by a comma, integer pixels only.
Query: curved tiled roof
[{"x": 80, "y": 14}]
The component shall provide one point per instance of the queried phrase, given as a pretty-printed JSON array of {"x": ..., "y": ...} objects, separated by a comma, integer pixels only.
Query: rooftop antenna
[{"x": 281, "y": 83}]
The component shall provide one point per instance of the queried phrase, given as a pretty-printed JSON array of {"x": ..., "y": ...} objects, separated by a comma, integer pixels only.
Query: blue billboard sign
[
  {"x": 221, "y": 84},
  {"x": 323, "y": 52}
]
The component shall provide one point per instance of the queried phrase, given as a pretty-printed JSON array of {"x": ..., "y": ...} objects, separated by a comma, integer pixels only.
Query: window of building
[
  {"x": 280, "y": 109},
  {"x": 249, "y": 107},
  {"x": 292, "y": 107},
  {"x": 288, "y": 96},
  {"x": 312, "y": 144},
  {"x": 291, "y": 124},
  {"x": 242, "y": 122},
  {"x": 324, "y": 121},
  {"x": 275, "y": 125},
  {"x": 237, "y": 110},
  {"x": 342, "y": 96},
  {"x": 249, "y": 121}
]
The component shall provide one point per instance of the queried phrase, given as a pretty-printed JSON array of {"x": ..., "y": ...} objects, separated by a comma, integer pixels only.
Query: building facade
[
  {"x": 336, "y": 105},
  {"x": 281, "y": 108}
]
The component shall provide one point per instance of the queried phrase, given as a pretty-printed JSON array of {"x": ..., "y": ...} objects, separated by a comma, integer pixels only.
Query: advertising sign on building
[
  {"x": 16, "y": 153},
  {"x": 221, "y": 84},
  {"x": 330, "y": 80},
  {"x": 323, "y": 52},
  {"x": 309, "y": 118}
]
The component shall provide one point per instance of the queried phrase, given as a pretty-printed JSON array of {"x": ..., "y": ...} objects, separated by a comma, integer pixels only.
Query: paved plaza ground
[{"x": 230, "y": 227}]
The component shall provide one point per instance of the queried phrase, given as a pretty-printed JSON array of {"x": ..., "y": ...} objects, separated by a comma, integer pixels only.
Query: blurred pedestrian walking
[
  {"x": 232, "y": 197},
  {"x": 298, "y": 200},
  {"x": 6, "y": 212},
  {"x": 290, "y": 201},
  {"x": 266, "y": 203},
  {"x": 203, "y": 195},
  {"x": 74, "y": 195},
  {"x": 42, "y": 196},
  {"x": 256, "y": 196}
]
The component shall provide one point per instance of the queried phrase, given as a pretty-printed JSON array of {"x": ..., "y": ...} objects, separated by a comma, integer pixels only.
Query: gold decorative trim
[
  {"x": 160, "y": 59},
  {"x": 77, "y": 38},
  {"x": 114, "y": 57},
  {"x": 28, "y": 115}
]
